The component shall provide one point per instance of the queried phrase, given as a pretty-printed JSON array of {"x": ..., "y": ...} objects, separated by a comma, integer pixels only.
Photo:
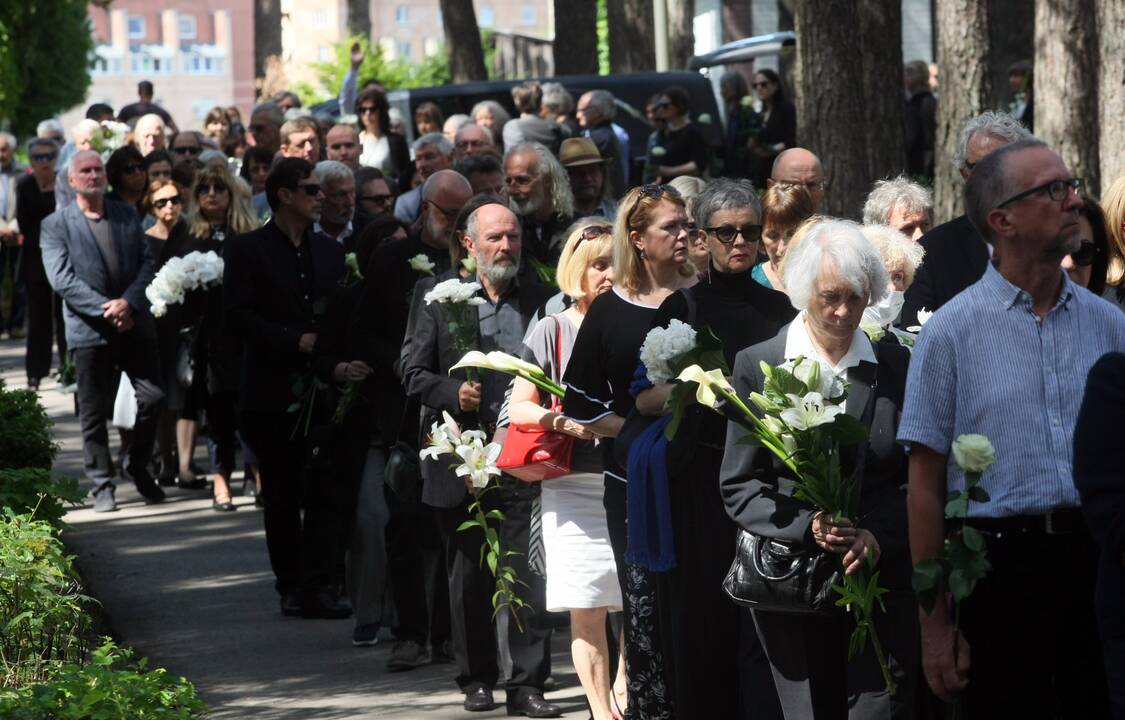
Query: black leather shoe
[
  {"x": 149, "y": 490},
  {"x": 291, "y": 604},
  {"x": 533, "y": 706},
  {"x": 324, "y": 605},
  {"x": 479, "y": 700}
]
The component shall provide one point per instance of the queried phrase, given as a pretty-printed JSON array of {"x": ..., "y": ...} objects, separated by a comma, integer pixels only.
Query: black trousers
[
  {"x": 1031, "y": 626},
  {"x": 10, "y": 268},
  {"x": 97, "y": 370},
  {"x": 470, "y": 595},
  {"x": 44, "y": 323},
  {"x": 416, "y": 570},
  {"x": 302, "y": 513},
  {"x": 222, "y": 423}
]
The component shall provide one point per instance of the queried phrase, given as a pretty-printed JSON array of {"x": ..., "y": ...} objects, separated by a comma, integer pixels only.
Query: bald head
[
  {"x": 471, "y": 140},
  {"x": 443, "y": 195},
  {"x": 343, "y": 145},
  {"x": 798, "y": 166}
]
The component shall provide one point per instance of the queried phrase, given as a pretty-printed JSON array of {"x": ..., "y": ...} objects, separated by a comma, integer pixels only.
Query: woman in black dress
[
  {"x": 699, "y": 624},
  {"x": 679, "y": 147},
  {"x": 779, "y": 124},
  {"x": 219, "y": 213},
  {"x": 650, "y": 261}
]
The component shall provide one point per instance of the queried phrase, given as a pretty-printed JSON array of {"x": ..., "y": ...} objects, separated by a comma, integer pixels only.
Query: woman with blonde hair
[
  {"x": 650, "y": 262},
  {"x": 1113, "y": 205},
  {"x": 581, "y": 574}
]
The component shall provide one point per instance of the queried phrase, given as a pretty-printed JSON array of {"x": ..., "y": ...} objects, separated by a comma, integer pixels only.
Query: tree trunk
[
  {"x": 631, "y": 40},
  {"x": 880, "y": 27},
  {"x": 462, "y": 41},
  {"x": 1012, "y": 38},
  {"x": 576, "y": 37},
  {"x": 681, "y": 33},
  {"x": 963, "y": 54},
  {"x": 267, "y": 34},
  {"x": 359, "y": 18},
  {"x": 1066, "y": 85},
  {"x": 1111, "y": 90},
  {"x": 831, "y": 119}
]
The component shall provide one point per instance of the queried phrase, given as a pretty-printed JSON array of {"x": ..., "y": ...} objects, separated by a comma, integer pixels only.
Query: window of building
[
  {"x": 188, "y": 29},
  {"x": 487, "y": 17},
  {"x": 324, "y": 53},
  {"x": 402, "y": 14},
  {"x": 431, "y": 46},
  {"x": 136, "y": 27},
  {"x": 403, "y": 49},
  {"x": 320, "y": 18},
  {"x": 527, "y": 15}
]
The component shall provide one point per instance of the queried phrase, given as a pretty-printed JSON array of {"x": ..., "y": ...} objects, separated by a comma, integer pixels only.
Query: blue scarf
[{"x": 648, "y": 507}]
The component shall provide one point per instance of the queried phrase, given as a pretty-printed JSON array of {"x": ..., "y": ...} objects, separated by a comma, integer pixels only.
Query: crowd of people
[{"x": 318, "y": 369}]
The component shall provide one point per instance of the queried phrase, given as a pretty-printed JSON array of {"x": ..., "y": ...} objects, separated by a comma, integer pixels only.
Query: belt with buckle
[{"x": 1059, "y": 522}]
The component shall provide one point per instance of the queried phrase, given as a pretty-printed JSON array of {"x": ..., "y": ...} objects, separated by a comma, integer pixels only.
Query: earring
[{"x": 641, "y": 253}]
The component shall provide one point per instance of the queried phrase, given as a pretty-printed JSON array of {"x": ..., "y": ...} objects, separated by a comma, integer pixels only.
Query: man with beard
[
  {"x": 338, "y": 211},
  {"x": 492, "y": 239},
  {"x": 586, "y": 169},
  {"x": 539, "y": 192}
]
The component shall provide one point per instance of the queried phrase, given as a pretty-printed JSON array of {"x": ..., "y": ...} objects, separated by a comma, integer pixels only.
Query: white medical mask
[{"x": 885, "y": 311}]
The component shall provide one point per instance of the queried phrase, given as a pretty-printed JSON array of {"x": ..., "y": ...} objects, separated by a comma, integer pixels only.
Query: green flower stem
[
  {"x": 765, "y": 436},
  {"x": 505, "y": 595},
  {"x": 881, "y": 656}
]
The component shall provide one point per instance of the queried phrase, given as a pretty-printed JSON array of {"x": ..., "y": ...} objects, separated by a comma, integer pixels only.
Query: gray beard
[
  {"x": 525, "y": 207},
  {"x": 498, "y": 273}
]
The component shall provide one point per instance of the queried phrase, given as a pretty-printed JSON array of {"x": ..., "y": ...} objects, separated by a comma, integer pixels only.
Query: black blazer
[
  {"x": 264, "y": 305},
  {"x": 32, "y": 206},
  {"x": 760, "y": 498},
  {"x": 1099, "y": 474},
  {"x": 956, "y": 257}
]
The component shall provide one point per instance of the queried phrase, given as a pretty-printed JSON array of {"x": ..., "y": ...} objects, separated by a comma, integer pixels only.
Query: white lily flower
[
  {"x": 500, "y": 362},
  {"x": 441, "y": 442},
  {"x": 809, "y": 411},
  {"x": 479, "y": 462},
  {"x": 658, "y": 151},
  {"x": 973, "y": 453},
  {"x": 710, "y": 383},
  {"x": 924, "y": 315},
  {"x": 421, "y": 263}
]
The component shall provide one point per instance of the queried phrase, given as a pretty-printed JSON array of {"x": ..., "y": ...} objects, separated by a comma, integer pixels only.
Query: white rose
[
  {"x": 658, "y": 151},
  {"x": 973, "y": 453},
  {"x": 924, "y": 315},
  {"x": 421, "y": 263}
]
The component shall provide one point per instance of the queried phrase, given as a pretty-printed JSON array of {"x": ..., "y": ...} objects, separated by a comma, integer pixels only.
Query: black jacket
[
  {"x": 956, "y": 257},
  {"x": 759, "y": 497}
]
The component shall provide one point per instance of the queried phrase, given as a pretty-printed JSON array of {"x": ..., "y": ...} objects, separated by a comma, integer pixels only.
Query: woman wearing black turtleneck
[{"x": 698, "y": 621}]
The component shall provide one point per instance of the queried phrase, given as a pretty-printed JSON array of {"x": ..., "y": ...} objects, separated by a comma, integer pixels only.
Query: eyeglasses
[
  {"x": 163, "y": 202},
  {"x": 811, "y": 185},
  {"x": 1057, "y": 190},
  {"x": 310, "y": 189},
  {"x": 1086, "y": 253},
  {"x": 211, "y": 189},
  {"x": 377, "y": 199},
  {"x": 726, "y": 234},
  {"x": 450, "y": 214},
  {"x": 44, "y": 158},
  {"x": 462, "y": 144},
  {"x": 366, "y": 109},
  {"x": 187, "y": 150},
  {"x": 134, "y": 167}
]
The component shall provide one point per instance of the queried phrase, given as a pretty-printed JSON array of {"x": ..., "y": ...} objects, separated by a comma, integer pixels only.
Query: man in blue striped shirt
[{"x": 1008, "y": 358}]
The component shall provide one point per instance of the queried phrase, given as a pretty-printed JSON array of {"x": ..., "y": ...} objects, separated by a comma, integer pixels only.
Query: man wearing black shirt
[
  {"x": 276, "y": 283},
  {"x": 539, "y": 192},
  {"x": 145, "y": 106}
]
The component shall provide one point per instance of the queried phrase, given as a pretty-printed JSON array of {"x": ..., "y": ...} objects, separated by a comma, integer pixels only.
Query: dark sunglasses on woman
[{"x": 163, "y": 202}]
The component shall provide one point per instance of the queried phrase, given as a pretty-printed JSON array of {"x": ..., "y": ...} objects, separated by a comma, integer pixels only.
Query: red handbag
[{"x": 533, "y": 454}]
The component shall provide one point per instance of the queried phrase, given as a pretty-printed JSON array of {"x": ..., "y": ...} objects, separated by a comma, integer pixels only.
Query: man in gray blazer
[{"x": 97, "y": 260}]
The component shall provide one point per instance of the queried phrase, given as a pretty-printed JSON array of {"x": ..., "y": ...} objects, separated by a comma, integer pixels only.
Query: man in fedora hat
[{"x": 586, "y": 169}]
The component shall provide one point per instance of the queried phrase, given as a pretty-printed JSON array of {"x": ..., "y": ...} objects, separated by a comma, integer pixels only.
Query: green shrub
[
  {"x": 35, "y": 492},
  {"x": 43, "y": 618},
  {"x": 25, "y": 431},
  {"x": 99, "y": 691}
]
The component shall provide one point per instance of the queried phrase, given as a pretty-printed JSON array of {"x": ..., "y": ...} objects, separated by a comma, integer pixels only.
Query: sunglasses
[
  {"x": 450, "y": 214},
  {"x": 311, "y": 189},
  {"x": 211, "y": 189},
  {"x": 367, "y": 109},
  {"x": 44, "y": 158},
  {"x": 1085, "y": 255},
  {"x": 726, "y": 234},
  {"x": 596, "y": 231},
  {"x": 163, "y": 202},
  {"x": 187, "y": 150},
  {"x": 379, "y": 199},
  {"x": 759, "y": 85}
]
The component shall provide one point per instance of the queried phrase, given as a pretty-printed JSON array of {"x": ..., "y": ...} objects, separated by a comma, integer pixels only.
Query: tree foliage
[
  {"x": 394, "y": 74},
  {"x": 45, "y": 49}
]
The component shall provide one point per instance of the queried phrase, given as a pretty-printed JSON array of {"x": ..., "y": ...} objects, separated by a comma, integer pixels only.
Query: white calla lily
[
  {"x": 809, "y": 412},
  {"x": 713, "y": 386},
  {"x": 499, "y": 361}
]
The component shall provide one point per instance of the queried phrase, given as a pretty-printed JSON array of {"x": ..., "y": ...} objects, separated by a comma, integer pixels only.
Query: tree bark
[
  {"x": 359, "y": 18},
  {"x": 462, "y": 41},
  {"x": 831, "y": 119},
  {"x": 880, "y": 27},
  {"x": 1111, "y": 89},
  {"x": 681, "y": 33},
  {"x": 631, "y": 41},
  {"x": 267, "y": 34},
  {"x": 1066, "y": 85},
  {"x": 576, "y": 37},
  {"x": 963, "y": 54}
]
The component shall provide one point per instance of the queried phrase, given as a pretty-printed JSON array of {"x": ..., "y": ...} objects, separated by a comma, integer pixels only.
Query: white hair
[
  {"x": 151, "y": 119},
  {"x": 557, "y": 98},
  {"x": 562, "y": 199},
  {"x": 8, "y": 139},
  {"x": 896, "y": 250},
  {"x": 327, "y": 171},
  {"x": 842, "y": 243},
  {"x": 436, "y": 140},
  {"x": 604, "y": 101},
  {"x": 499, "y": 114},
  {"x": 896, "y": 192},
  {"x": 50, "y": 125},
  {"x": 996, "y": 124},
  {"x": 84, "y": 127}
]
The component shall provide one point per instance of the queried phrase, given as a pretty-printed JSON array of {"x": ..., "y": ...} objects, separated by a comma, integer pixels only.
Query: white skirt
[{"x": 581, "y": 572}]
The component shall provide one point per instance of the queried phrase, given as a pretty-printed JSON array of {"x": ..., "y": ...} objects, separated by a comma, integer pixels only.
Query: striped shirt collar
[
  {"x": 1010, "y": 295},
  {"x": 799, "y": 344}
]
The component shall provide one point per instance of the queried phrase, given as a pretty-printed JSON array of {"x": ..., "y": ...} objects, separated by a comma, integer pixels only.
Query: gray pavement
[{"x": 192, "y": 590}]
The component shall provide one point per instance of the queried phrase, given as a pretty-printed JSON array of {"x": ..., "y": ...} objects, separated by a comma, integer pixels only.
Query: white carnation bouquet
[
  {"x": 663, "y": 346},
  {"x": 181, "y": 275}
]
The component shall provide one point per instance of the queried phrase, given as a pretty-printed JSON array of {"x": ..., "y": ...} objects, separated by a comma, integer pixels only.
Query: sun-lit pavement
[{"x": 192, "y": 590}]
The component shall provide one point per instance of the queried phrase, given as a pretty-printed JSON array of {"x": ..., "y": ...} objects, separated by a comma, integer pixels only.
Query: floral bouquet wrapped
[
  {"x": 801, "y": 420},
  {"x": 109, "y": 137},
  {"x": 180, "y": 275},
  {"x": 667, "y": 352},
  {"x": 476, "y": 461}
]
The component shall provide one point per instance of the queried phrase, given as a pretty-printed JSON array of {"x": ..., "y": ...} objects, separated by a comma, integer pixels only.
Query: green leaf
[
  {"x": 847, "y": 430},
  {"x": 467, "y": 525},
  {"x": 979, "y": 494},
  {"x": 973, "y": 538},
  {"x": 957, "y": 505},
  {"x": 960, "y": 585},
  {"x": 491, "y": 563}
]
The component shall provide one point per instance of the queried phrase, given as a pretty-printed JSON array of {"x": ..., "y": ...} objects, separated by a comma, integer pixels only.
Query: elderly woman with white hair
[
  {"x": 831, "y": 273},
  {"x": 901, "y": 258}
]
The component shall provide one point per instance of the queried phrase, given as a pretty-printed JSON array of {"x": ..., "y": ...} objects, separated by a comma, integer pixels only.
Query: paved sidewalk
[{"x": 192, "y": 590}]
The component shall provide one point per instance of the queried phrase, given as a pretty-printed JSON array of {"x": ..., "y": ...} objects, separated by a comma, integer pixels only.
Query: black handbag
[
  {"x": 403, "y": 472},
  {"x": 789, "y": 577}
]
